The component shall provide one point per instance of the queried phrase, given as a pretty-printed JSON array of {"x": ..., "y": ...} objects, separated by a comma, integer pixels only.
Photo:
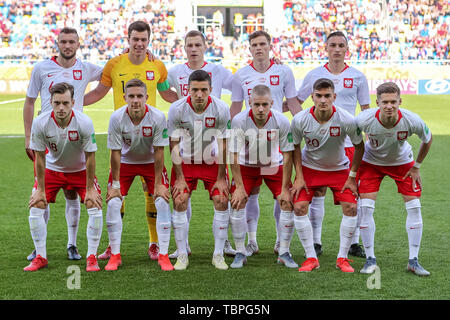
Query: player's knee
[
  {"x": 180, "y": 203},
  {"x": 89, "y": 204},
  {"x": 40, "y": 205},
  {"x": 321, "y": 192},
  {"x": 349, "y": 209},
  {"x": 220, "y": 203},
  {"x": 285, "y": 205},
  {"x": 301, "y": 208}
]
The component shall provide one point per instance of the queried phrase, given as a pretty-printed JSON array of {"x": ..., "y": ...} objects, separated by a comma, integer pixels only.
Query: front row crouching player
[
  {"x": 198, "y": 136},
  {"x": 387, "y": 153},
  {"x": 323, "y": 163},
  {"x": 70, "y": 164},
  {"x": 260, "y": 144},
  {"x": 137, "y": 135}
]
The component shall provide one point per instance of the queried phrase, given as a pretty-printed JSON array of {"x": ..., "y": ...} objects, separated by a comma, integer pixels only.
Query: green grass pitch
[{"x": 139, "y": 278}]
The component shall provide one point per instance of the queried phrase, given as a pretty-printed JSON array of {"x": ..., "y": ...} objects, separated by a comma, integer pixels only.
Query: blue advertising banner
[{"x": 434, "y": 86}]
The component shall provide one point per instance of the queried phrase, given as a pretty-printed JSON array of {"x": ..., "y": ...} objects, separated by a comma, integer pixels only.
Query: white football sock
[
  {"x": 414, "y": 227},
  {"x": 163, "y": 224},
  {"x": 276, "y": 216},
  {"x": 285, "y": 230},
  {"x": 252, "y": 216},
  {"x": 189, "y": 216},
  {"x": 367, "y": 226},
  {"x": 73, "y": 211},
  {"x": 347, "y": 229},
  {"x": 94, "y": 230},
  {"x": 316, "y": 214},
  {"x": 355, "y": 239},
  {"x": 179, "y": 223},
  {"x": 38, "y": 230},
  {"x": 238, "y": 229},
  {"x": 221, "y": 222},
  {"x": 114, "y": 224},
  {"x": 47, "y": 214},
  {"x": 305, "y": 234}
]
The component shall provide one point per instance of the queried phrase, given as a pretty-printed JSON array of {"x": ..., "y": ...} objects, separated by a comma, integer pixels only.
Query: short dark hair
[
  {"x": 133, "y": 83},
  {"x": 337, "y": 34},
  {"x": 139, "y": 26},
  {"x": 68, "y": 30},
  {"x": 200, "y": 75},
  {"x": 323, "y": 83},
  {"x": 194, "y": 33},
  {"x": 259, "y": 33},
  {"x": 61, "y": 88},
  {"x": 388, "y": 87}
]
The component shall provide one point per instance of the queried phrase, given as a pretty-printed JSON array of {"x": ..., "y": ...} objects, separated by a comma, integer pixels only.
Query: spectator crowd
[{"x": 377, "y": 29}]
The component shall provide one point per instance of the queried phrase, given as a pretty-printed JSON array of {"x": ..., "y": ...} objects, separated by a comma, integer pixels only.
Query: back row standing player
[
  {"x": 117, "y": 72},
  {"x": 64, "y": 67},
  {"x": 178, "y": 77},
  {"x": 351, "y": 87},
  {"x": 280, "y": 79}
]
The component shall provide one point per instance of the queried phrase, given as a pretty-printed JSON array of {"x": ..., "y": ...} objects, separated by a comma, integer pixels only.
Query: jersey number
[
  {"x": 184, "y": 89},
  {"x": 373, "y": 142},
  {"x": 312, "y": 142},
  {"x": 53, "y": 146}
]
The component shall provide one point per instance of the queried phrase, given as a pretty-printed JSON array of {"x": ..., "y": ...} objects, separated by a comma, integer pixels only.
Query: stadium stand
[{"x": 377, "y": 29}]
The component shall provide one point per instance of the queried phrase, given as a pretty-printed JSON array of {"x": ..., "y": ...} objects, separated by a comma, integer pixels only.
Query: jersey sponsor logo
[
  {"x": 150, "y": 75},
  {"x": 271, "y": 135},
  {"x": 165, "y": 134},
  {"x": 289, "y": 137},
  {"x": 77, "y": 75},
  {"x": 93, "y": 138},
  {"x": 348, "y": 83},
  {"x": 73, "y": 136},
  {"x": 147, "y": 131},
  {"x": 210, "y": 122},
  {"x": 274, "y": 80},
  {"x": 335, "y": 131},
  {"x": 402, "y": 135}
]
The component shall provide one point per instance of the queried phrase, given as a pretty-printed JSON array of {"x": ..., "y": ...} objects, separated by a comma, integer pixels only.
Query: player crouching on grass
[
  {"x": 70, "y": 164},
  {"x": 137, "y": 135},
  {"x": 323, "y": 163},
  {"x": 388, "y": 153},
  {"x": 260, "y": 145},
  {"x": 198, "y": 140}
]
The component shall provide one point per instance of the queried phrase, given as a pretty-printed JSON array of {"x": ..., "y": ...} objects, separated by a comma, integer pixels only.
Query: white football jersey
[
  {"x": 388, "y": 147},
  {"x": 47, "y": 73},
  {"x": 199, "y": 132},
  {"x": 350, "y": 87},
  {"x": 279, "y": 78},
  {"x": 136, "y": 142},
  {"x": 221, "y": 78},
  {"x": 325, "y": 143},
  {"x": 260, "y": 147},
  {"x": 66, "y": 147}
]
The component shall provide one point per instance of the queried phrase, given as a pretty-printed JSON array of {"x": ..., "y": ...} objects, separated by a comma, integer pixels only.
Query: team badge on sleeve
[
  {"x": 77, "y": 75},
  {"x": 348, "y": 83},
  {"x": 165, "y": 134},
  {"x": 402, "y": 135},
  {"x": 335, "y": 131},
  {"x": 210, "y": 122},
  {"x": 147, "y": 131},
  {"x": 73, "y": 136}
]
